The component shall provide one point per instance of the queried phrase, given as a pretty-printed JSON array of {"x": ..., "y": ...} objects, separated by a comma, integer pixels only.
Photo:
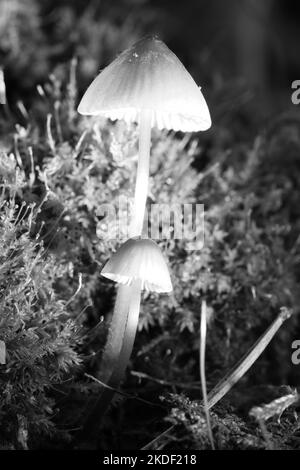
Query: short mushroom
[
  {"x": 137, "y": 265},
  {"x": 139, "y": 260}
]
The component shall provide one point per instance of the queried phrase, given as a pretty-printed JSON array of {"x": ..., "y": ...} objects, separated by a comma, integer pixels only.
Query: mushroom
[
  {"x": 139, "y": 260},
  {"x": 137, "y": 265},
  {"x": 146, "y": 84}
]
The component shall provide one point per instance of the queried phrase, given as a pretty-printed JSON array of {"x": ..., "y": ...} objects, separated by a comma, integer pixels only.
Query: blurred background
[{"x": 248, "y": 45}]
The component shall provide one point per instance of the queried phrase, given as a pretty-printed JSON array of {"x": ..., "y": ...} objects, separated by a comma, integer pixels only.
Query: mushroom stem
[
  {"x": 142, "y": 177},
  {"x": 116, "y": 332},
  {"x": 129, "y": 333},
  {"x": 127, "y": 307},
  {"x": 133, "y": 298},
  {"x": 117, "y": 351},
  {"x": 122, "y": 321},
  {"x": 121, "y": 333}
]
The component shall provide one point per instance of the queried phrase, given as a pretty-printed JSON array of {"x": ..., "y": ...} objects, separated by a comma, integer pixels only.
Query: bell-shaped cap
[
  {"x": 148, "y": 76},
  {"x": 139, "y": 259}
]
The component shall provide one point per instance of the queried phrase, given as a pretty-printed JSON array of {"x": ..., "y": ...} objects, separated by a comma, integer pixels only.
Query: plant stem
[{"x": 202, "y": 371}]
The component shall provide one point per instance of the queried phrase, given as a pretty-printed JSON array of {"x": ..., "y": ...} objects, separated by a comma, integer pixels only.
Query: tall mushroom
[{"x": 146, "y": 84}]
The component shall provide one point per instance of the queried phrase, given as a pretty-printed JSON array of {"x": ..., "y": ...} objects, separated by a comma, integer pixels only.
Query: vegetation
[{"x": 56, "y": 169}]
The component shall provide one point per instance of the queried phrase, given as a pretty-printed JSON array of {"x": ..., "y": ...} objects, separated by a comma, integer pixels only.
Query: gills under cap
[
  {"x": 139, "y": 259},
  {"x": 148, "y": 76}
]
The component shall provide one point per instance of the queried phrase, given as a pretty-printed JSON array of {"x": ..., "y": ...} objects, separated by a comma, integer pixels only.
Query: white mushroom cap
[
  {"x": 148, "y": 76},
  {"x": 139, "y": 259}
]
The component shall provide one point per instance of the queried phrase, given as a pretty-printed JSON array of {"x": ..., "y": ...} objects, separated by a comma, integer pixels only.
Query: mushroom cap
[
  {"x": 148, "y": 76},
  {"x": 139, "y": 259}
]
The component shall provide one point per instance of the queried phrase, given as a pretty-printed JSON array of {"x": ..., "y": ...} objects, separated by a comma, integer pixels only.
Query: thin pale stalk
[
  {"x": 129, "y": 334},
  {"x": 142, "y": 177},
  {"x": 116, "y": 332},
  {"x": 202, "y": 371},
  {"x": 126, "y": 316},
  {"x": 117, "y": 352},
  {"x": 2, "y": 88},
  {"x": 124, "y": 322}
]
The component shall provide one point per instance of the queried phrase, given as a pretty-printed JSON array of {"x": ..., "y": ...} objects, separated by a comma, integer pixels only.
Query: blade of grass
[
  {"x": 247, "y": 360},
  {"x": 223, "y": 387},
  {"x": 156, "y": 439},
  {"x": 202, "y": 371}
]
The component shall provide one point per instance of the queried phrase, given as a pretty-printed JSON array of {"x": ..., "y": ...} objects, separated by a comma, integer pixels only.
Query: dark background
[{"x": 248, "y": 43}]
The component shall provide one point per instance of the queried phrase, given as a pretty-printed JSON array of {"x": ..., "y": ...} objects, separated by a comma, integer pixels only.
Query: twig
[
  {"x": 22, "y": 109},
  {"x": 142, "y": 375},
  {"x": 57, "y": 121},
  {"x": 79, "y": 143},
  {"x": 276, "y": 407},
  {"x": 49, "y": 134},
  {"x": 266, "y": 434},
  {"x": 210, "y": 170},
  {"x": 72, "y": 89},
  {"x": 124, "y": 394},
  {"x": 32, "y": 172},
  {"x": 77, "y": 290},
  {"x": 147, "y": 347}
]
